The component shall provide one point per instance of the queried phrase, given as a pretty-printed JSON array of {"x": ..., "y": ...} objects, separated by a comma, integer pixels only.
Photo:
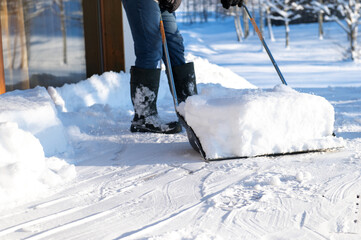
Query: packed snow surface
[
  {"x": 259, "y": 122},
  {"x": 34, "y": 111},
  {"x": 107, "y": 183}
]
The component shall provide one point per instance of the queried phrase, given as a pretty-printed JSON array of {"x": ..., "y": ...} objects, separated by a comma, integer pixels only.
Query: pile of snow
[
  {"x": 34, "y": 111},
  {"x": 113, "y": 89},
  {"x": 207, "y": 72},
  {"x": 24, "y": 169},
  {"x": 31, "y": 136},
  {"x": 232, "y": 122},
  {"x": 110, "y": 88}
]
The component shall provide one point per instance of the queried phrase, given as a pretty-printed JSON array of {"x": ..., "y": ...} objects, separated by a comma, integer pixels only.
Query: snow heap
[
  {"x": 33, "y": 138},
  {"x": 109, "y": 88},
  {"x": 112, "y": 88},
  {"x": 207, "y": 72},
  {"x": 232, "y": 122},
  {"x": 31, "y": 135},
  {"x": 34, "y": 111},
  {"x": 24, "y": 169}
]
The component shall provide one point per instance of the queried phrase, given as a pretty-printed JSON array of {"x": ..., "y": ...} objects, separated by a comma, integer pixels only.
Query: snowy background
[{"x": 70, "y": 168}]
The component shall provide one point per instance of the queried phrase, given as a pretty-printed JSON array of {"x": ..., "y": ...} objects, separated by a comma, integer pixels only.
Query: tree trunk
[
  {"x": 287, "y": 29},
  {"x": 269, "y": 24},
  {"x": 189, "y": 17},
  {"x": 253, "y": 14},
  {"x": 194, "y": 11},
  {"x": 63, "y": 30},
  {"x": 245, "y": 22},
  {"x": 238, "y": 26},
  {"x": 261, "y": 16},
  {"x": 320, "y": 22},
  {"x": 353, "y": 42},
  {"x": 205, "y": 10}
]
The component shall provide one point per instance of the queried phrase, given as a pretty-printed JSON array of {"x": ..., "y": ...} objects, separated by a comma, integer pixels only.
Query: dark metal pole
[
  {"x": 265, "y": 45},
  {"x": 168, "y": 64}
]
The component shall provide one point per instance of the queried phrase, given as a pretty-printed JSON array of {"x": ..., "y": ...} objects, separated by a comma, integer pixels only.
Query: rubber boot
[
  {"x": 184, "y": 81},
  {"x": 144, "y": 85}
]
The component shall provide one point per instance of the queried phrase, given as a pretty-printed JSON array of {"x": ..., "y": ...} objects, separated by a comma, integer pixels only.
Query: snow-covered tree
[
  {"x": 245, "y": 20},
  {"x": 269, "y": 22},
  {"x": 261, "y": 15},
  {"x": 237, "y": 23},
  {"x": 197, "y": 10},
  {"x": 347, "y": 13},
  {"x": 351, "y": 10},
  {"x": 286, "y": 11},
  {"x": 318, "y": 7},
  {"x": 321, "y": 14}
]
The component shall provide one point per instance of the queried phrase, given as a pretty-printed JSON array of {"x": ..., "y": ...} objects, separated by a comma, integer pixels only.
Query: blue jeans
[{"x": 144, "y": 19}]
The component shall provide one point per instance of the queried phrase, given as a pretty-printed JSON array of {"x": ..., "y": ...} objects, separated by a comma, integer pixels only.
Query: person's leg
[
  {"x": 183, "y": 73},
  {"x": 144, "y": 85},
  {"x": 144, "y": 19}
]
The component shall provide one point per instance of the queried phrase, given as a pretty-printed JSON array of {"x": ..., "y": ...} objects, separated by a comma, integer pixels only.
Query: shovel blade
[
  {"x": 192, "y": 137},
  {"x": 197, "y": 146}
]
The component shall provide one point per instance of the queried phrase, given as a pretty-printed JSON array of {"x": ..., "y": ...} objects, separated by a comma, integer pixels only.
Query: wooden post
[
  {"x": 103, "y": 32},
  {"x": 112, "y": 35},
  {"x": 5, "y": 26},
  {"x": 2, "y": 75},
  {"x": 92, "y": 33}
]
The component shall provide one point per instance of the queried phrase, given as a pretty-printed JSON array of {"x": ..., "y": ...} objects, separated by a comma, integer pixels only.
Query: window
[{"x": 43, "y": 42}]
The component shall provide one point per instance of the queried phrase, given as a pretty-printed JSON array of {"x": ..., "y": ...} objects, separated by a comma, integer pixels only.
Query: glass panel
[{"x": 43, "y": 42}]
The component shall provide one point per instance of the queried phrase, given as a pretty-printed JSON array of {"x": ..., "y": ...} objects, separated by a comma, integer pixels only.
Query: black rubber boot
[
  {"x": 184, "y": 81},
  {"x": 144, "y": 85}
]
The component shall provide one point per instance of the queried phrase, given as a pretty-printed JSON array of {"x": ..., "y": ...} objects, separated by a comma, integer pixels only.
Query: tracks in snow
[
  {"x": 102, "y": 194},
  {"x": 238, "y": 198}
]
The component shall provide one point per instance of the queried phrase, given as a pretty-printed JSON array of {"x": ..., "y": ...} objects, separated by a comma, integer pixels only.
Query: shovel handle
[
  {"x": 168, "y": 64},
  {"x": 265, "y": 45},
  {"x": 192, "y": 137}
]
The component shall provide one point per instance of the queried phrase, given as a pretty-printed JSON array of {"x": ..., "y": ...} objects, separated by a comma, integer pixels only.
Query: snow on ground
[
  {"x": 107, "y": 183},
  {"x": 309, "y": 62}
]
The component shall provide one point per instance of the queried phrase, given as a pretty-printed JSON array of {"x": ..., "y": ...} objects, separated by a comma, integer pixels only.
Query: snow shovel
[{"x": 192, "y": 137}]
